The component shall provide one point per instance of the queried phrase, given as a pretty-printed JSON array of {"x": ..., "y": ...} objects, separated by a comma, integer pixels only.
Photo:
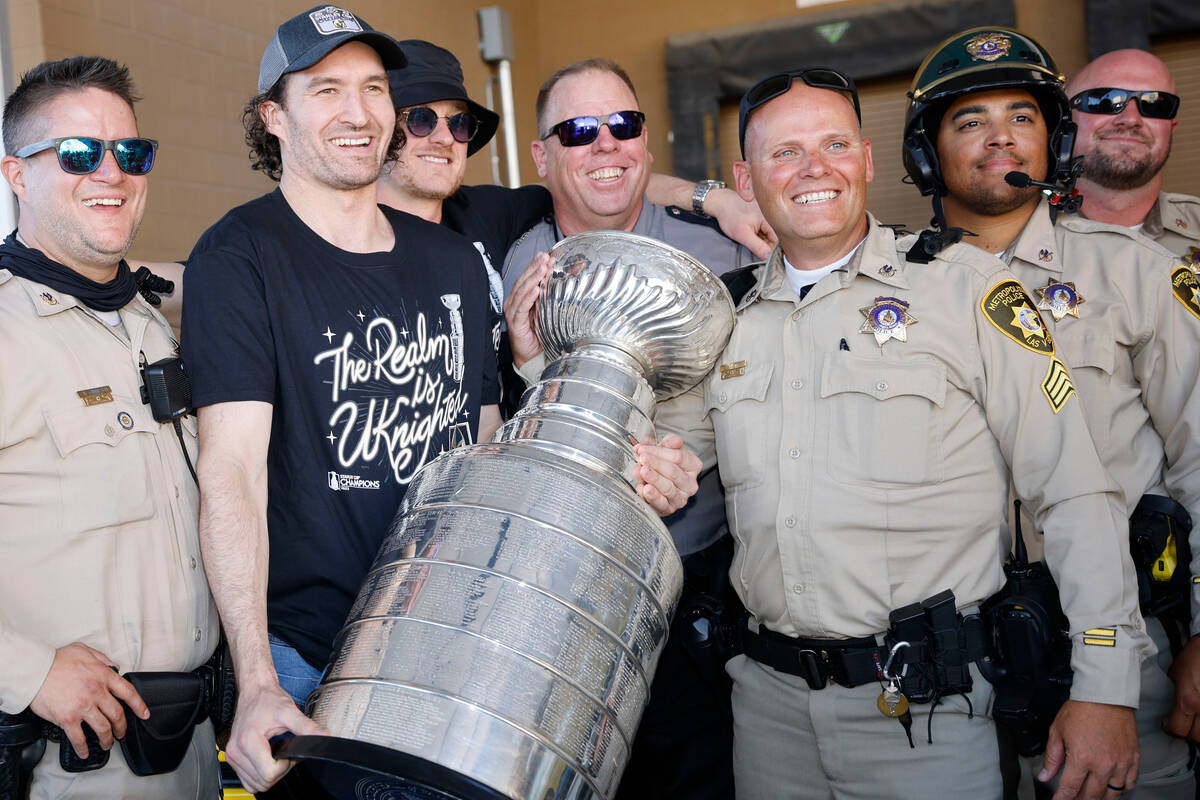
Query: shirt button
[
  {"x": 798, "y": 588},
  {"x": 797, "y": 384},
  {"x": 790, "y": 522},
  {"x": 192, "y": 562},
  {"x": 794, "y": 452},
  {"x": 109, "y": 431},
  {"x": 882, "y": 385},
  {"x": 724, "y": 397},
  {"x": 197, "y": 634}
]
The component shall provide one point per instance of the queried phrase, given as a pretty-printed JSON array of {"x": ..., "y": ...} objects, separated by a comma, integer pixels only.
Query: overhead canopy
[{"x": 871, "y": 41}]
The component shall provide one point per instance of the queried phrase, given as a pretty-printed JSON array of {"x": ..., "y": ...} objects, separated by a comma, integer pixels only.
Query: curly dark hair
[{"x": 264, "y": 146}]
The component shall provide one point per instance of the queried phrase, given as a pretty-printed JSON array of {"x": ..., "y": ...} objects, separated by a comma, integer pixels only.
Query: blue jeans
[{"x": 297, "y": 677}]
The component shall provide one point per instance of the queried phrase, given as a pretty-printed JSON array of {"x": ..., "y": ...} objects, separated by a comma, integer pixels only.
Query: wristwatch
[{"x": 701, "y": 191}]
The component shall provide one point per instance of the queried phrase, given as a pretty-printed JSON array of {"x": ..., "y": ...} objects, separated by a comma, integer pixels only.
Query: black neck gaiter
[{"x": 35, "y": 266}]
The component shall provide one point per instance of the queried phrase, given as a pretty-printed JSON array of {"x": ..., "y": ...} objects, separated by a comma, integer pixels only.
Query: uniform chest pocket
[
  {"x": 737, "y": 407},
  {"x": 883, "y": 419},
  {"x": 103, "y": 465},
  {"x": 1086, "y": 344}
]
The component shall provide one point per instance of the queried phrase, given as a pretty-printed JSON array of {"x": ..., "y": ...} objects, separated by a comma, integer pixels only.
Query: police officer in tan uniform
[
  {"x": 1125, "y": 105},
  {"x": 1122, "y": 310},
  {"x": 866, "y": 415},
  {"x": 100, "y": 569}
]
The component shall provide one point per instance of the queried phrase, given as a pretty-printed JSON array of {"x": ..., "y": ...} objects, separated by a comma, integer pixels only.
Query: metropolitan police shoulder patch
[
  {"x": 1186, "y": 288},
  {"x": 1057, "y": 385},
  {"x": 1012, "y": 312}
]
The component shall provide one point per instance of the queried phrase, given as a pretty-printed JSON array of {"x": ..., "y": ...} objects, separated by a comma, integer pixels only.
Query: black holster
[
  {"x": 178, "y": 702},
  {"x": 1031, "y": 650},
  {"x": 21, "y": 748},
  {"x": 1162, "y": 557},
  {"x": 710, "y": 617}
]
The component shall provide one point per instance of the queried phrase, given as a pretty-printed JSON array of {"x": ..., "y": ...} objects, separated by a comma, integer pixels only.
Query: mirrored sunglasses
[
  {"x": 422, "y": 121},
  {"x": 81, "y": 155},
  {"x": 579, "y": 131},
  {"x": 1152, "y": 105}
]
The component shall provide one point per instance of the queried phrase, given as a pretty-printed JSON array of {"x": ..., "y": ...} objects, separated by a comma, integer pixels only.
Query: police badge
[
  {"x": 1186, "y": 288},
  {"x": 1060, "y": 299},
  {"x": 988, "y": 46},
  {"x": 887, "y": 319}
]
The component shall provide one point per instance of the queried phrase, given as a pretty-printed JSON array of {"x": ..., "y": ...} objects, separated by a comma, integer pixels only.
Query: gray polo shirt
[{"x": 702, "y": 521}]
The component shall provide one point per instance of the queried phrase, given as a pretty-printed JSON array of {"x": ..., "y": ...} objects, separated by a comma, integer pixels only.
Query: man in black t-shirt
[{"x": 334, "y": 347}]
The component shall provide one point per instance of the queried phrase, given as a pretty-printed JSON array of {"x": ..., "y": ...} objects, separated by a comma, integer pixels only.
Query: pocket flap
[
  {"x": 883, "y": 379},
  {"x": 752, "y": 384},
  {"x": 1086, "y": 343},
  {"x": 74, "y": 426}
]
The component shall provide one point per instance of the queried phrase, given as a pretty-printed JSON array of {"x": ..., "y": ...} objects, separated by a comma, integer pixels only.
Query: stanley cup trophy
[{"x": 504, "y": 642}]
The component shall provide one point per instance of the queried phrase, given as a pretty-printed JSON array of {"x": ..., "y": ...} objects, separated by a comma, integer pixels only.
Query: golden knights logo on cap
[
  {"x": 988, "y": 46},
  {"x": 1011, "y": 311},
  {"x": 1186, "y": 288},
  {"x": 887, "y": 319},
  {"x": 332, "y": 19},
  {"x": 1060, "y": 299}
]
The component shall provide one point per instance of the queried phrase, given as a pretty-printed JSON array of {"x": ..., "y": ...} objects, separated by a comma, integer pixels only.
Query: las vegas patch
[{"x": 1012, "y": 312}]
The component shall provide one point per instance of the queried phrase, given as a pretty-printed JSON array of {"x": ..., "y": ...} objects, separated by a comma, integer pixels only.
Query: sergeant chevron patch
[
  {"x": 1057, "y": 385},
  {"x": 1186, "y": 288},
  {"x": 1101, "y": 637}
]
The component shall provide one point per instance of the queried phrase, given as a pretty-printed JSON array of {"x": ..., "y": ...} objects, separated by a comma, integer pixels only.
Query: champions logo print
[
  {"x": 344, "y": 483},
  {"x": 396, "y": 393}
]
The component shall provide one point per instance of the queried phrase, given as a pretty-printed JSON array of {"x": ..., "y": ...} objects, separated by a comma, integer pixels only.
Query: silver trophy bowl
[{"x": 504, "y": 641}]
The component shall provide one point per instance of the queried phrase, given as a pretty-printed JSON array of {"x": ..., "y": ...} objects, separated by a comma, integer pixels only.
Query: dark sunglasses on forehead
[
  {"x": 1152, "y": 105},
  {"x": 81, "y": 155},
  {"x": 579, "y": 131},
  {"x": 422, "y": 121},
  {"x": 817, "y": 77}
]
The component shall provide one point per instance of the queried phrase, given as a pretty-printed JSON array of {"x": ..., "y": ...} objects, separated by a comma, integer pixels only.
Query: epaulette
[
  {"x": 740, "y": 281},
  {"x": 683, "y": 215}
]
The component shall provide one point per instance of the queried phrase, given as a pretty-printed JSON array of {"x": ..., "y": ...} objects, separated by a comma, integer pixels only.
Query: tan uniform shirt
[
  {"x": 861, "y": 478},
  {"x": 1174, "y": 222},
  {"x": 1133, "y": 350},
  {"x": 98, "y": 513}
]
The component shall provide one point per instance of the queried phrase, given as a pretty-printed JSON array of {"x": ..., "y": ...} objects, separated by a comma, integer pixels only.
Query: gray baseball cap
[{"x": 307, "y": 38}]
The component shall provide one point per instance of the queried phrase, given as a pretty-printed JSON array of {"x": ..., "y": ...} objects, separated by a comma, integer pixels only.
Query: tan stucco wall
[{"x": 196, "y": 64}]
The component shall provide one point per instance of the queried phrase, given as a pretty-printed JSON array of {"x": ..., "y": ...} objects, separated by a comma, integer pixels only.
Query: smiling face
[
  {"x": 336, "y": 120},
  {"x": 430, "y": 167},
  {"x": 984, "y": 136},
  {"x": 808, "y": 166},
  {"x": 599, "y": 185},
  {"x": 85, "y": 222},
  {"x": 1126, "y": 150}
]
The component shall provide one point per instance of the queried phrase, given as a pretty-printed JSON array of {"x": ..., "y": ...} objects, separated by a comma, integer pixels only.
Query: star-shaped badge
[
  {"x": 887, "y": 319},
  {"x": 1059, "y": 298}
]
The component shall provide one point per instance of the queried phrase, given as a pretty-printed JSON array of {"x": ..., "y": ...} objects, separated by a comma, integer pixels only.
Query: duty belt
[
  {"x": 846, "y": 662},
  {"x": 929, "y": 641}
]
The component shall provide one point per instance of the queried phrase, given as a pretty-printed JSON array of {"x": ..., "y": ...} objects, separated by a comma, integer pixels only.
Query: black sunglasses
[
  {"x": 81, "y": 155},
  {"x": 771, "y": 87},
  {"x": 1152, "y": 105},
  {"x": 579, "y": 131},
  {"x": 422, "y": 121}
]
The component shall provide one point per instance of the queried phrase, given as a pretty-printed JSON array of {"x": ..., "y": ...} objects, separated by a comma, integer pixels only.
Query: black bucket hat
[{"x": 432, "y": 74}]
